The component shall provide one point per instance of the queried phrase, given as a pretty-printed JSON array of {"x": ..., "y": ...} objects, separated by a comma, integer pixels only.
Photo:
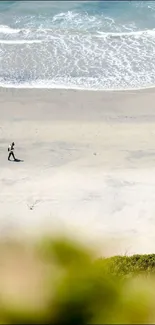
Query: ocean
[{"x": 100, "y": 45}]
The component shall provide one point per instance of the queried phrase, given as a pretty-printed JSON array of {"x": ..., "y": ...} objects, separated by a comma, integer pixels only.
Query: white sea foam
[
  {"x": 44, "y": 84},
  {"x": 20, "y": 41},
  {"x": 12, "y": 31},
  {"x": 8, "y": 30}
]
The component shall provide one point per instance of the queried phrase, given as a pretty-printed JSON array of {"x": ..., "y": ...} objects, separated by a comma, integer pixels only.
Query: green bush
[{"x": 61, "y": 282}]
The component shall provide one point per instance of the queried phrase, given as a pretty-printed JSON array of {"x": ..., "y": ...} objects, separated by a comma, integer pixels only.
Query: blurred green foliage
[{"x": 58, "y": 281}]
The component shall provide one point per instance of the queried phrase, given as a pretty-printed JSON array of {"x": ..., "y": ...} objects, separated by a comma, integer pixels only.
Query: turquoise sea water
[{"x": 85, "y": 44}]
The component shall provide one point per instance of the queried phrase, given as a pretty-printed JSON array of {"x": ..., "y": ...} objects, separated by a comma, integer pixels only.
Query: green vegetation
[
  {"x": 127, "y": 266},
  {"x": 60, "y": 282}
]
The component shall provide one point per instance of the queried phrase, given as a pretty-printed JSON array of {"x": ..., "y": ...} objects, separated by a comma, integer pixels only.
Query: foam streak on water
[{"x": 87, "y": 45}]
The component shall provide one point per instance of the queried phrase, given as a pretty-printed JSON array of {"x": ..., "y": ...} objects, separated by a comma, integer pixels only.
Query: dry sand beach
[{"x": 88, "y": 164}]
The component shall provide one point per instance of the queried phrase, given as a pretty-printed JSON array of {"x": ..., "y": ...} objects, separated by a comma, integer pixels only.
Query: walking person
[{"x": 11, "y": 151}]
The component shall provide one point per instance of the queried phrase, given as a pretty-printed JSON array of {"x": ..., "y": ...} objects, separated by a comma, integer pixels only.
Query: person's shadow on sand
[{"x": 17, "y": 160}]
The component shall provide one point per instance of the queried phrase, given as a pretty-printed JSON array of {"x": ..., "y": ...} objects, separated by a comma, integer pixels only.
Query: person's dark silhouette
[{"x": 10, "y": 150}]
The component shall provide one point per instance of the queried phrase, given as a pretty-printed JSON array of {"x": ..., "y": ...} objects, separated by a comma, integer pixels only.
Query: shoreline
[
  {"x": 88, "y": 165},
  {"x": 78, "y": 89}
]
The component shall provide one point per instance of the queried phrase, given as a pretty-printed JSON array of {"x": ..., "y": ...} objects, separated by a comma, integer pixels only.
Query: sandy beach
[{"x": 88, "y": 165}]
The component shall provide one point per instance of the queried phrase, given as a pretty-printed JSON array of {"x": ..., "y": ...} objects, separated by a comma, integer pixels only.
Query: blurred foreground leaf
[{"x": 59, "y": 281}]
